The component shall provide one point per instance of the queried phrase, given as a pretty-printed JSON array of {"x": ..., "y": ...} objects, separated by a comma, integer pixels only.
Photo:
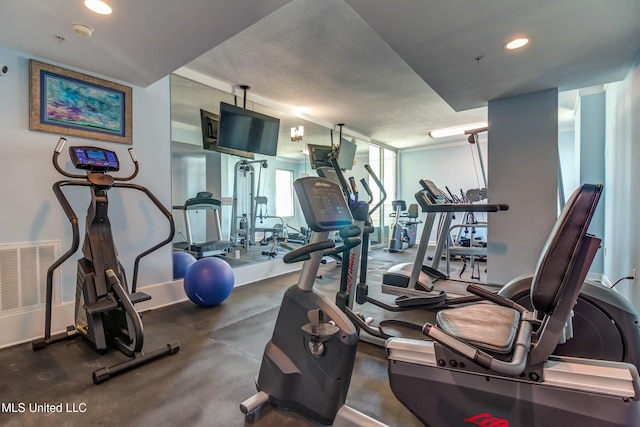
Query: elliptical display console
[{"x": 94, "y": 159}]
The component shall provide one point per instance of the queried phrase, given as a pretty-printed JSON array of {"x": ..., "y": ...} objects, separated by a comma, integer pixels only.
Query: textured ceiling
[
  {"x": 324, "y": 57},
  {"x": 140, "y": 43},
  {"x": 574, "y": 43}
]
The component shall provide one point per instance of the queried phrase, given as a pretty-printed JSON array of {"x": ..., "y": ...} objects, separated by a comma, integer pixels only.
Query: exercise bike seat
[{"x": 487, "y": 326}]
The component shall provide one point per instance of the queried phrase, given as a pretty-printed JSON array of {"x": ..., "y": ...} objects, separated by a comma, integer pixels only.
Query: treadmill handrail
[
  {"x": 465, "y": 207},
  {"x": 199, "y": 203}
]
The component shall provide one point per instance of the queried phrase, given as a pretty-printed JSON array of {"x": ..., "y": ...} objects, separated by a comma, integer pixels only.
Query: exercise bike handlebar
[
  {"x": 515, "y": 366},
  {"x": 350, "y": 240}
]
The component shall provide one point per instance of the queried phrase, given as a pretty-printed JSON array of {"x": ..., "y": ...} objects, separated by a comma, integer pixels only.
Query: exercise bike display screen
[
  {"x": 323, "y": 204},
  {"x": 94, "y": 159}
]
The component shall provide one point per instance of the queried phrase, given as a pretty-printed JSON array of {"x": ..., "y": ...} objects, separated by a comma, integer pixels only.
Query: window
[
  {"x": 383, "y": 163},
  {"x": 284, "y": 193}
]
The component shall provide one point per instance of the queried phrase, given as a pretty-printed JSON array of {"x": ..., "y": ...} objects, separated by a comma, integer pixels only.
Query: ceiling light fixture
[
  {"x": 83, "y": 30},
  {"x": 98, "y": 6},
  {"x": 516, "y": 43},
  {"x": 297, "y": 133},
  {"x": 455, "y": 130}
]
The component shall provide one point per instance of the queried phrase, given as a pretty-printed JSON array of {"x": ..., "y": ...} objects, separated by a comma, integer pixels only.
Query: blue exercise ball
[
  {"x": 209, "y": 281},
  {"x": 181, "y": 263}
]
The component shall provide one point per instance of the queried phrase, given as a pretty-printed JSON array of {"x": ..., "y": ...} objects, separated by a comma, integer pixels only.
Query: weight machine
[{"x": 248, "y": 205}]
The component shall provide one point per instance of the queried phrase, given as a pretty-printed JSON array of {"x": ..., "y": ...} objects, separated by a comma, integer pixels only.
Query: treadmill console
[
  {"x": 94, "y": 159},
  {"x": 435, "y": 194},
  {"x": 322, "y": 204}
]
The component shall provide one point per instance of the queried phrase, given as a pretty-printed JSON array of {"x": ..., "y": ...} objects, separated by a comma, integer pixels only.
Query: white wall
[
  {"x": 591, "y": 155},
  {"x": 455, "y": 165},
  {"x": 31, "y": 212},
  {"x": 622, "y": 156},
  {"x": 523, "y": 158},
  {"x": 567, "y": 151}
]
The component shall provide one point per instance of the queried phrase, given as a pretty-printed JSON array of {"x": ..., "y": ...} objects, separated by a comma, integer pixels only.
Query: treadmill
[
  {"x": 417, "y": 275},
  {"x": 214, "y": 245}
]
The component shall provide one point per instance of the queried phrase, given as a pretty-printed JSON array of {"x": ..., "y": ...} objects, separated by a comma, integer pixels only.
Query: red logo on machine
[{"x": 487, "y": 420}]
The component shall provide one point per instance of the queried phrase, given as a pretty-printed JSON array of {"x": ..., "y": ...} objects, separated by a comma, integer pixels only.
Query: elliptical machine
[
  {"x": 308, "y": 362},
  {"x": 104, "y": 308}
]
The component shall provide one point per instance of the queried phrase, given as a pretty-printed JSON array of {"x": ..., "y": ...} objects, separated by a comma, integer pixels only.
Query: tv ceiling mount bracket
[{"x": 244, "y": 88}]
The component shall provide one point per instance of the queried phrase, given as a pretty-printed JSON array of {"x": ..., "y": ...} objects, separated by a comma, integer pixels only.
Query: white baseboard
[{"x": 27, "y": 326}]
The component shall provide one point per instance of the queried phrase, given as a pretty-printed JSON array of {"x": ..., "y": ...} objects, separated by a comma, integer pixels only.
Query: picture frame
[{"x": 67, "y": 102}]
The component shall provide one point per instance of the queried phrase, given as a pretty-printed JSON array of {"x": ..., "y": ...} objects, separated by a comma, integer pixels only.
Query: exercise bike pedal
[{"x": 318, "y": 332}]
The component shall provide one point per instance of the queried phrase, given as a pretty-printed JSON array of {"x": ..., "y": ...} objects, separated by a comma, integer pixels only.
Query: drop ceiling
[{"x": 390, "y": 71}]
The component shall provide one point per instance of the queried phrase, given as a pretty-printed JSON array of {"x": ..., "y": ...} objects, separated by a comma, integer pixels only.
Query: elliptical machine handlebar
[
  {"x": 134, "y": 159},
  {"x": 346, "y": 189},
  {"x": 380, "y": 187},
  {"x": 364, "y": 184},
  {"x": 89, "y": 182},
  {"x": 353, "y": 186},
  {"x": 56, "y": 164},
  {"x": 56, "y": 154}
]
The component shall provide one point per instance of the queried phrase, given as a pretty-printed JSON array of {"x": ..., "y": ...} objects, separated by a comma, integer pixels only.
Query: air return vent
[{"x": 23, "y": 276}]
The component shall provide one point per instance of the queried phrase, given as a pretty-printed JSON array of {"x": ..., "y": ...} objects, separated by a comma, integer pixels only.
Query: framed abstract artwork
[{"x": 71, "y": 103}]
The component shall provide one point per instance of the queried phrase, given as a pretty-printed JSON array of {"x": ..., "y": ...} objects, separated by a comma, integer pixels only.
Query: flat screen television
[
  {"x": 246, "y": 130},
  {"x": 209, "y": 123},
  {"x": 319, "y": 155},
  {"x": 346, "y": 154}
]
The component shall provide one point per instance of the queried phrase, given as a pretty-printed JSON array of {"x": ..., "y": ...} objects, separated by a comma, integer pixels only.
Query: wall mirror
[{"x": 239, "y": 186}]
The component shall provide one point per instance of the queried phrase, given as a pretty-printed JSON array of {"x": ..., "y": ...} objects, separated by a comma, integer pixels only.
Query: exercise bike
[
  {"x": 404, "y": 232},
  {"x": 603, "y": 324},
  {"x": 492, "y": 364},
  {"x": 104, "y": 308},
  {"x": 308, "y": 363}
]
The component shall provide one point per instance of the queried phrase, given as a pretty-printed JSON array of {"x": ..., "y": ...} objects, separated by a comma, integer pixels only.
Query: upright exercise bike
[
  {"x": 307, "y": 364},
  {"x": 104, "y": 308}
]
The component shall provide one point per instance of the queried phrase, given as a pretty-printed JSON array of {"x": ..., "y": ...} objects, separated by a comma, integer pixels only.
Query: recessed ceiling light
[
  {"x": 98, "y": 6},
  {"x": 516, "y": 43},
  {"x": 83, "y": 30}
]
